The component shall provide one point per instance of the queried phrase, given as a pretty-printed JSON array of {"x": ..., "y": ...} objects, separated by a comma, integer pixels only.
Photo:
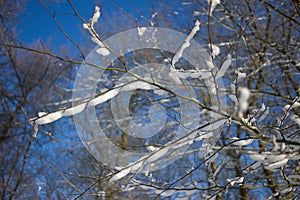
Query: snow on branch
[
  {"x": 238, "y": 180},
  {"x": 185, "y": 44},
  {"x": 94, "y": 19},
  {"x": 224, "y": 67},
  {"x": 242, "y": 142},
  {"x": 102, "y": 50},
  {"x": 46, "y": 118},
  {"x": 146, "y": 162},
  {"x": 295, "y": 104},
  {"x": 212, "y": 5},
  {"x": 215, "y": 50},
  {"x": 272, "y": 160},
  {"x": 141, "y": 30}
]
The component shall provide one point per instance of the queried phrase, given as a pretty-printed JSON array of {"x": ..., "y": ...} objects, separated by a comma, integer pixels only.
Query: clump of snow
[
  {"x": 242, "y": 142},
  {"x": 261, "y": 113},
  {"x": 215, "y": 50},
  {"x": 185, "y": 44},
  {"x": 120, "y": 174},
  {"x": 240, "y": 74},
  {"x": 243, "y": 100},
  {"x": 97, "y": 41},
  {"x": 286, "y": 108},
  {"x": 104, "y": 97},
  {"x": 141, "y": 30},
  {"x": 93, "y": 20},
  {"x": 45, "y": 118},
  {"x": 296, "y": 119},
  {"x": 85, "y": 25},
  {"x": 273, "y": 160},
  {"x": 96, "y": 15},
  {"x": 212, "y": 5},
  {"x": 48, "y": 118},
  {"x": 277, "y": 164},
  {"x": 152, "y": 18},
  {"x": 235, "y": 180},
  {"x": 35, "y": 129},
  {"x": 74, "y": 110},
  {"x": 152, "y": 148},
  {"x": 41, "y": 114},
  {"x": 102, "y": 50}
]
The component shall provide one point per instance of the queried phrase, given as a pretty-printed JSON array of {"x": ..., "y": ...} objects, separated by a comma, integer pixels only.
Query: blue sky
[{"x": 37, "y": 24}]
